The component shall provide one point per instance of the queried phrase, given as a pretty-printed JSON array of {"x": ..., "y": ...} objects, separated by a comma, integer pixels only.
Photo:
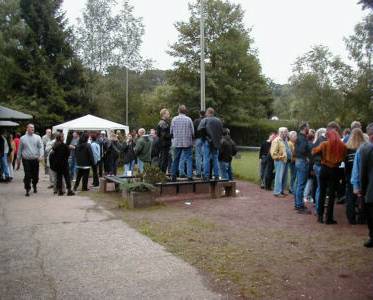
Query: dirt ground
[{"x": 257, "y": 246}]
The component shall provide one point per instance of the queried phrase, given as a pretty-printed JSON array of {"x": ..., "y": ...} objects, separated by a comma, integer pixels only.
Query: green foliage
[
  {"x": 153, "y": 175},
  {"x": 40, "y": 73},
  {"x": 105, "y": 39},
  {"x": 324, "y": 88},
  {"x": 234, "y": 84},
  {"x": 367, "y": 4},
  {"x": 253, "y": 131},
  {"x": 138, "y": 187},
  {"x": 109, "y": 96}
]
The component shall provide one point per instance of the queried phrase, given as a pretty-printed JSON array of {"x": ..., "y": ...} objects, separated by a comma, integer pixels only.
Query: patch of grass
[
  {"x": 246, "y": 166},
  {"x": 207, "y": 246}
]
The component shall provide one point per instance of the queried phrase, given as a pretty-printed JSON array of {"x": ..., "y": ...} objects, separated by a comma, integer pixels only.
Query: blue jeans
[
  {"x": 210, "y": 154},
  {"x": 317, "y": 170},
  {"x": 4, "y": 165},
  {"x": 302, "y": 168},
  {"x": 199, "y": 156},
  {"x": 182, "y": 164},
  {"x": 140, "y": 164},
  {"x": 226, "y": 170},
  {"x": 187, "y": 153},
  {"x": 281, "y": 169},
  {"x": 293, "y": 177},
  {"x": 72, "y": 167},
  {"x": 128, "y": 167}
]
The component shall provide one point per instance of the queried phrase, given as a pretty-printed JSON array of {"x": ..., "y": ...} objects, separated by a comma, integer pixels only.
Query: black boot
[
  {"x": 70, "y": 193},
  {"x": 35, "y": 189},
  {"x": 27, "y": 193}
]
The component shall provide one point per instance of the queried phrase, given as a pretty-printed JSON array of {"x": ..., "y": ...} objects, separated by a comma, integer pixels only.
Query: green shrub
[{"x": 254, "y": 132}]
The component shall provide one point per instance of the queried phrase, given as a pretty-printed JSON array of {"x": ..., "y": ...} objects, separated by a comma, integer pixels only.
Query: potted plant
[{"x": 139, "y": 194}]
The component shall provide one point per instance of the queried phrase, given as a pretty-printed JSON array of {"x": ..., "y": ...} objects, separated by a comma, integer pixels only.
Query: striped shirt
[{"x": 182, "y": 130}]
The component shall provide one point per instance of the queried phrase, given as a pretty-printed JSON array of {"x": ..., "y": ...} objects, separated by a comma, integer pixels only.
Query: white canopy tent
[{"x": 89, "y": 123}]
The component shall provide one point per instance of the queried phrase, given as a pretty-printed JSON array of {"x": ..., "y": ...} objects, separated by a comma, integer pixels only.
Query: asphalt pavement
[{"x": 59, "y": 247}]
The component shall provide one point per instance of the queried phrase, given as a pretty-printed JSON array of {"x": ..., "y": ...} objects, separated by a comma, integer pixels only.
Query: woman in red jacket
[{"x": 333, "y": 152}]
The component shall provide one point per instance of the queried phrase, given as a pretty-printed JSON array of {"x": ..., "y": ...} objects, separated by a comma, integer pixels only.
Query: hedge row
[{"x": 254, "y": 132}]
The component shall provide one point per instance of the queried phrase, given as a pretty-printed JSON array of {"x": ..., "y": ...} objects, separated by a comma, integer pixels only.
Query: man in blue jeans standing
[
  {"x": 211, "y": 130},
  {"x": 302, "y": 154},
  {"x": 198, "y": 144},
  {"x": 182, "y": 130}
]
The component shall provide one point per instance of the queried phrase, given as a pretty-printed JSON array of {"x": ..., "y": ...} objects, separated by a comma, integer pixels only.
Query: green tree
[
  {"x": 96, "y": 35},
  {"x": 46, "y": 79},
  {"x": 360, "y": 47},
  {"x": 321, "y": 84},
  {"x": 366, "y": 4},
  {"x": 235, "y": 86}
]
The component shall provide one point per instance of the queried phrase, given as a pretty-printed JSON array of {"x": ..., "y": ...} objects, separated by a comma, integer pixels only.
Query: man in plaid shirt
[{"x": 182, "y": 130}]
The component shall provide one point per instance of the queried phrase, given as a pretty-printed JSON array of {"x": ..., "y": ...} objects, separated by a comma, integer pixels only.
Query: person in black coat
[
  {"x": 263, "y": 158},
  {"x": 164, "y": 143},
  {"x": 61, "y": 153},
  {"x": 84, "y": 161},
  {"x": 112, "y": 154},
  {"x": 211, "y": 131},
  {"x": 129, "y": 154},
  {"x": 228, "y": 150}
]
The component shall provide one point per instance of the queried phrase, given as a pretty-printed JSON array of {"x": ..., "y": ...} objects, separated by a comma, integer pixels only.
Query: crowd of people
[
  {"x": 316, "y": 166},
  {"x": 323, "y": 165},
  {"x": 178, "y": 146}
]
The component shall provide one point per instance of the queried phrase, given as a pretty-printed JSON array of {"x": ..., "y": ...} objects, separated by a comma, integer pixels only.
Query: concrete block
[{"x": 141, "y": 199}]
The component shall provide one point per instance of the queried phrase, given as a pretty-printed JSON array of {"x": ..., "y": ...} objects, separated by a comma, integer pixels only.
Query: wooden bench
[
  {"x": 117, "y": 180},
  {"x": 213, "y": 187}
]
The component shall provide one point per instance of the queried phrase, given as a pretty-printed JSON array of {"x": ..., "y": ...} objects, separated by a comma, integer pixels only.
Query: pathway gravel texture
[{"x": 54, "y": 247}]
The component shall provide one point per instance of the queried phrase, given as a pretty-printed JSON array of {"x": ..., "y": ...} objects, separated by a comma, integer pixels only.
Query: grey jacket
[{"x": 366, "y": 172}]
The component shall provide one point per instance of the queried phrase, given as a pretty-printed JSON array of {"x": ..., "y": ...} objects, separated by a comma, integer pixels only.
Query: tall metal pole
[
  {"x": 126, "y": 96},
  {"x": 202, "y": 41}
]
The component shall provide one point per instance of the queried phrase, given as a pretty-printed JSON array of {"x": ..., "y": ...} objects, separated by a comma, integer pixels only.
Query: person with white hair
[{"x": 280, "y": 152}]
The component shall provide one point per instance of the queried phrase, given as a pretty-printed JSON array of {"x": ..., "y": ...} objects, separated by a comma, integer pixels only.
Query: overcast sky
[{"x": 282, "y": 30}]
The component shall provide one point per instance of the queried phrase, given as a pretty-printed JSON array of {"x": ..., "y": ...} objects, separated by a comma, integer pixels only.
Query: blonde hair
[
  {"x": 163, "y": 112},
  {"x": 356, "y": 139}
]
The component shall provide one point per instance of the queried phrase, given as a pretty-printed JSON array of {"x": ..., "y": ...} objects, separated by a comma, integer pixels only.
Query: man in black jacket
[
  {"x": 164, "y": 143},
  {"x": 366, "y": 179},
  {"x": 211, "y": 130},
  {"x": 198, "y": 144}
]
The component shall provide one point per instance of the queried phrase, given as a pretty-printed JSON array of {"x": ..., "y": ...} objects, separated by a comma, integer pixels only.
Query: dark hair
[
  {"x": 93, "y": 137},
  {"x": 202, "y": 113},
  {"x": 59, "y": 138},
  {"x": 346, "y": 131},
  {"x": 303, "y": 126},
  {"x": 370, "y": 129},
  {"x": 83, "y": 138}
]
